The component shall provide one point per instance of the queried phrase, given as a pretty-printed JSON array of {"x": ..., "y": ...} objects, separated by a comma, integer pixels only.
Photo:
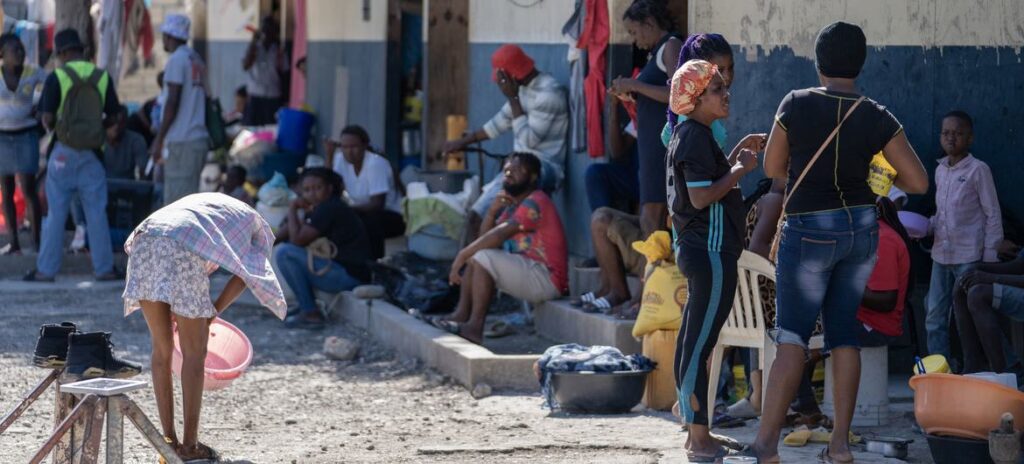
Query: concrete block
[
  {"x": 588, "y": 279},
  {"x": 465, "y": 362},
  {"x": 873, "y": 393},
  {"x": 558, "y": 320}
]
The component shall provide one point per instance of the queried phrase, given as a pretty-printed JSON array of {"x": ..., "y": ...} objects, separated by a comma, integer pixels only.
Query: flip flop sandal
[
  {"x": 600, "y": 305},
  {"x": 499, "y": 329},
  {"x": 630, "y": 313},
  {"x": 203, "y": 454},
  {"x": 583, "y": 300},
  {"x": 721, "y": 453},
  {"x": 823, "y": 456},
  {"x": 451, "y": 327},
  {"x": 730, "y": 442},
  {"x": 725, "y": 421}
]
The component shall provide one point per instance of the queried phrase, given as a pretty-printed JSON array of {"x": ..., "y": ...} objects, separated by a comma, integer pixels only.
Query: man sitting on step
[{"x": 521, "y": 251}]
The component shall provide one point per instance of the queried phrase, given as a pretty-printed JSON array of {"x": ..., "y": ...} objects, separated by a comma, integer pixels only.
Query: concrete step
[
  {"x": 558, "y": 320},
  {"x": 465, "y": 362},
  {"x": 588, "y": 279}
]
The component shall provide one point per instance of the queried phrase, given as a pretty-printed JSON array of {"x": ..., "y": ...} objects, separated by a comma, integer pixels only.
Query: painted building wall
[
  {"x": 925, "y": 58},
  {"x": 339, "y": 35}
]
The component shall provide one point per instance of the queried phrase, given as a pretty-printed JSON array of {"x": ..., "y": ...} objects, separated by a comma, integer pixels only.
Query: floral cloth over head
[{"x": 688, "y": 83}]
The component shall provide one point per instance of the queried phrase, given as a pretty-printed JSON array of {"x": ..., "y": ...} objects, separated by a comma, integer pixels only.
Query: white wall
[
  {"x": 226, "y": 19},
  {"x": 342, "y": 20},
  {"x": 502, "y": 21},
  {"x": 924, "y": 23}
]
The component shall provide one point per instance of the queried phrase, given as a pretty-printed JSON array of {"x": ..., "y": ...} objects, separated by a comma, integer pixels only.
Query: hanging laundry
[
  {"x": 595, "y": 41},
  {"x": 138, "y": 30},
  {"x": 111, "y": 25},
  {"x": 577, "y": 57}
]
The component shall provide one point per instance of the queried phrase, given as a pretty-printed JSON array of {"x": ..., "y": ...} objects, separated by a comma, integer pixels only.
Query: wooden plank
[
  {"x": 93, "y": 433},
  {"x": 447, "y": 72},
  {"x": 28, "y": 400},
  {"x": 63, "y": 405},
  {"x": 115, "y": 431},
  {"x": 149, "y": 431},
  {"x": 83, "y": 407}
]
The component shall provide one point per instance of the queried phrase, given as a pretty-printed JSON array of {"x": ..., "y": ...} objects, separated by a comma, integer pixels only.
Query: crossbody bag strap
[{"x": 817, "y": 155}]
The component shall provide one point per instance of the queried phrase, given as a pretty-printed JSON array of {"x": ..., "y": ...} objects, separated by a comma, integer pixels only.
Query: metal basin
[{"x": 599, "y": 392}]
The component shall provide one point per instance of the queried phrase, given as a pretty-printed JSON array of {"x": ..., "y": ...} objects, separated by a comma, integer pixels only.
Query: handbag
[
  {"x": 320, "y": 248},
  {"x": 773, "y": 253}
]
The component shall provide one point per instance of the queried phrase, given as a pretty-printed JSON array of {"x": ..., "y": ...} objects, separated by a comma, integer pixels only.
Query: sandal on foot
[
  {"x": 601, "y": 305},
  {"x": 823, "y": 456},
  {"x": 630, "y": 312},
  {"x": 742, "y": 409},
  {"x": 730, "y": 442},
  {"x": 199, "y": 453},
  {"x": 725, "y": 421},
  {"x": 451, "y": 327},
  {"x": 583, "y": 300},
  {"x": 499, "y": 329},
  {"x": 721, "y": 453}
]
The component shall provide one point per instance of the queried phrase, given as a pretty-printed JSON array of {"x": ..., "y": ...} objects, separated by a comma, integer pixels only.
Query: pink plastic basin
[
  {"x": 916, "y": 224},
  {"x": 228, "y": 354}
]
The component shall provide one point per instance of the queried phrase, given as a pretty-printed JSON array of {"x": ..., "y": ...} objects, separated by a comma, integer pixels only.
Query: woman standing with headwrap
[
  {"x": 823, "y": 141},
  {"x": 707, "y": 214}
]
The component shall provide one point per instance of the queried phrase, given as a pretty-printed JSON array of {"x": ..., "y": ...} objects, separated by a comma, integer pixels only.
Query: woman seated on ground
[
  {"x": 370, "y": 186},
  {"x": 328, "y": 250},
  {"x": 189, "y": 239}
]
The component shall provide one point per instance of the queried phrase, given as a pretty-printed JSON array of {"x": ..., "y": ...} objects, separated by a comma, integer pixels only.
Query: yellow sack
[
  {"x": 664, "y": 293},
  {"x": 660, "y": 388},
  {"x": 880, "y": 175}
]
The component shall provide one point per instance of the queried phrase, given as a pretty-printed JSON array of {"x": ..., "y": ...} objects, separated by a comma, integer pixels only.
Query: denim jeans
[
  {"x": 824, "y": 262},
  {"x": 292, "y": 264},
  {"x": 69, "y": 171},
  {"x": 938, "y": 303},
  {"x": 610, "y": 181}
]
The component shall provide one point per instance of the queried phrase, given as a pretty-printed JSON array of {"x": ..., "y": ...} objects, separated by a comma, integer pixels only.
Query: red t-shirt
[
  {"x": 540, "y": 236},
  {"x": 892, "y": 272}
]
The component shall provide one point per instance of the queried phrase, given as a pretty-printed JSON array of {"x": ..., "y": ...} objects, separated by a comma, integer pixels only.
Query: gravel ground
[{"x": 294, "y": 405}]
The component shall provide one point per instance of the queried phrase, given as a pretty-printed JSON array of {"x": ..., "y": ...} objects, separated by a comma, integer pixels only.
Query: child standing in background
[{"x": 967, "y": 224}]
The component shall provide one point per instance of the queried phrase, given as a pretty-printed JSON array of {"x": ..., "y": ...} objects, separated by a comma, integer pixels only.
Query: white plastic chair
[{"x": 746, "y": 325}]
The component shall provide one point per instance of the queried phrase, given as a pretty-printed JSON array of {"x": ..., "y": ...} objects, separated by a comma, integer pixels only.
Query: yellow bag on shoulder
[
  {"x": 664, "y": 293},
  {"x": 881, "y": 175}
]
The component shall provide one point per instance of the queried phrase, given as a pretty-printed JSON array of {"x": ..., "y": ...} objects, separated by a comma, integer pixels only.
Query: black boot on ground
[
  {"x": 52, "y": 345},
  {"x": 91, "y": 355}
]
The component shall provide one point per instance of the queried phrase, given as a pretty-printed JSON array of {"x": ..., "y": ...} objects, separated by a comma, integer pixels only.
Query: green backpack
[{"x": 80, "y": 124}]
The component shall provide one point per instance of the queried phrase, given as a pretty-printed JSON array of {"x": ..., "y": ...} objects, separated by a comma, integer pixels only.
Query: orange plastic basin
[{"x": 947, "y": 404}]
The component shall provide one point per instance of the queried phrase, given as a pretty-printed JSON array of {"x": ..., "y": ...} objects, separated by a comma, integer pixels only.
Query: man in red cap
[{"x": 537, "y": 113}]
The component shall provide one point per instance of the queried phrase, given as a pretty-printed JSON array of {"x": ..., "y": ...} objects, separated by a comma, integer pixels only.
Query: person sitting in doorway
[
  {"x": 537, "y": 113},
  {"x": 984, "y": 297},
  {"x": 521, "y": 251},
  {"x": 264, "y": 63},
  {"x": 370, "y": 186},
  {"x": 881, "y": 307},
  {"x": 327, "y": 251},
  {"x": 612, "y": 230},
  {"x": 125, "y": 154}
]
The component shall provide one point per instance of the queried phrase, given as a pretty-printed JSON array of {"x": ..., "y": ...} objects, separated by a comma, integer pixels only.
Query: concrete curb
[
  {"x": 558, "y": 320},
  {"x": 465, "y": 362}
]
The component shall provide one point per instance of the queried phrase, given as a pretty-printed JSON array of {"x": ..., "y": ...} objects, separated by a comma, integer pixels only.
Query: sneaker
[
  {"x": 91, "y": 355},
  {"x": 52, "y": 345},
  {"x": 36, "y": 276},
  {"x": 300, "y": 321},
  {"x": 78, "y": 242}
]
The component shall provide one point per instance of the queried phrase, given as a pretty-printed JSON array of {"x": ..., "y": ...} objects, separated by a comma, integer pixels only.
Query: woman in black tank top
[{"x": 649, "y": 24}]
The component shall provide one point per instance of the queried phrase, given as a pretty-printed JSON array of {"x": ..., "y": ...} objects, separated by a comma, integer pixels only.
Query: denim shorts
[
  {"x": 825, "y": 259},
  {"x": 19, "y": 152},
  {"x": 1009, "y": 301}
]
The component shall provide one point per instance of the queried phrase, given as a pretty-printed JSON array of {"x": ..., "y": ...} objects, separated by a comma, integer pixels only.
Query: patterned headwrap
[{"x": 688, "y": 83}]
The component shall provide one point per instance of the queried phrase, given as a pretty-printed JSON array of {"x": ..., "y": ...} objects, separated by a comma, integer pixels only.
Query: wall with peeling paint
[{"x": 925, "y": 58}]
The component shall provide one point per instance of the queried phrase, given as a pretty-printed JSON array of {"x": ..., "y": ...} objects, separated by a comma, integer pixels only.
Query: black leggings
[{"x": 711, "y": 286}]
